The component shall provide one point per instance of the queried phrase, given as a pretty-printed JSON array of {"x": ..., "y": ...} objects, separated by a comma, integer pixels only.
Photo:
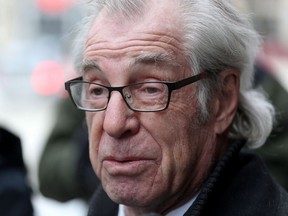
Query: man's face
[{"x": 145, "y": 159}]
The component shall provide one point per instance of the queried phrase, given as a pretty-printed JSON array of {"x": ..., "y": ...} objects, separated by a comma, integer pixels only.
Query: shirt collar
[
  {"x": 176, "y": 212},
  {"x": 182, "y": 209}
]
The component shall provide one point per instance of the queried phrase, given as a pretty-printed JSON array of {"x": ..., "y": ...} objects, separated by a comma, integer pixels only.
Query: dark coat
[
  {"x": 239, "y": 185},
  {"x": 15, "y": 192}
]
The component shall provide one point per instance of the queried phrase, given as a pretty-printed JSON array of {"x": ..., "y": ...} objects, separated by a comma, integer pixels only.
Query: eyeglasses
[{"x": 141, "y": 97}]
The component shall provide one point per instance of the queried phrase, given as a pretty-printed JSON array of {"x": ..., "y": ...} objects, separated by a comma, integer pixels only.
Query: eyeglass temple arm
[{"x": 189, "y": 80}]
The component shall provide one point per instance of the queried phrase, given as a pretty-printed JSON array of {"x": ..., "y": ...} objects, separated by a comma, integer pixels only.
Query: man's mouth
[{"x": 129, "y": 166}]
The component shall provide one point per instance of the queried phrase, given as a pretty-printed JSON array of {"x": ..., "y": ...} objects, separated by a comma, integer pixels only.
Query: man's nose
[{"x": 119, "y": 120}]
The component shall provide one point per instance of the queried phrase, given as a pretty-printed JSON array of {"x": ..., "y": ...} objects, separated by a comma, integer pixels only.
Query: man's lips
[{"x": 127, "y": 166}]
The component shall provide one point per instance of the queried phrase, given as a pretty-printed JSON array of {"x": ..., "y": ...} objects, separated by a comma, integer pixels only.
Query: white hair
[
  {"x": 127, "y": 8},
  {"x": 216, "y": 37}
]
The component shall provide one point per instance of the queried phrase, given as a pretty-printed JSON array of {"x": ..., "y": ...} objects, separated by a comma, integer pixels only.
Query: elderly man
[{"x": 166, "y": 86}]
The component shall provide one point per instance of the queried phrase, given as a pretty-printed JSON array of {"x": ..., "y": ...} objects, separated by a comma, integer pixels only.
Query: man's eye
[
  {"x": 152, "y": 90},
  {"x": 97, "y": 91}
]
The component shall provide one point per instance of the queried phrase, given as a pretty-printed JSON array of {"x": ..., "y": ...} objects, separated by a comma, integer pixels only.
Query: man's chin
[{"x": 129, "y": 193}]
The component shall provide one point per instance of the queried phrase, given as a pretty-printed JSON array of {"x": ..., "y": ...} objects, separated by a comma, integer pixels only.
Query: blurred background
[
  {"x": 35, "y": 40},
  {"x": 34, "y": 62}
]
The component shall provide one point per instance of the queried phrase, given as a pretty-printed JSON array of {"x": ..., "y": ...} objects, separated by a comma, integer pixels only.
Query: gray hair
[
  {"x": 219, "y": 37},
  {"x": 216, "y": 37},
  {"x": 127, "y": 8}
]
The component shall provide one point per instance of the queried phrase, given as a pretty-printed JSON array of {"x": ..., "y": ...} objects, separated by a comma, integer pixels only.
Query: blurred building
[
  {"x": 34, "y": 57},
  {"x": 270, "y": 18}
]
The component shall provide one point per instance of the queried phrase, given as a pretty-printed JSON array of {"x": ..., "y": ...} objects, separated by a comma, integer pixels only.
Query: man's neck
[{"x": 123, "y": 211}]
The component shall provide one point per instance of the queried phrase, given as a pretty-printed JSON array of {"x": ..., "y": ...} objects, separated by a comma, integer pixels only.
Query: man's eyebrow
[
  {"x": 88, "y": 64},
  {"x": 146, "y": 59},
  {"x": 155, "y": 59}
]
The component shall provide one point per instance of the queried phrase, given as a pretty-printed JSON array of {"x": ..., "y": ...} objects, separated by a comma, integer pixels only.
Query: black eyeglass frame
[{"x": 171, "y": 87}]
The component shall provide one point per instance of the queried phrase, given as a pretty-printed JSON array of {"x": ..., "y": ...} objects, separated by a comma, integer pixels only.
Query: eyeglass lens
[{"x": 141, "y": 96}]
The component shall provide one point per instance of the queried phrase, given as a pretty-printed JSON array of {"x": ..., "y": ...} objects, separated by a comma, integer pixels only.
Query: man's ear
[{"x": 226, "y": 100}]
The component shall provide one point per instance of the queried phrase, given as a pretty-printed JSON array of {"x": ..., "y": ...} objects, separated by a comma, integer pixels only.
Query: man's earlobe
[{"x": 227, "y": 100}]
